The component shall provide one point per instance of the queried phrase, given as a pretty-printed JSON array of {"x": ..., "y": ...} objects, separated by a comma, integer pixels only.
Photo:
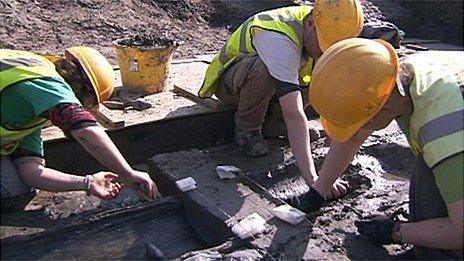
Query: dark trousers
[{"x": 425, "y": 202}]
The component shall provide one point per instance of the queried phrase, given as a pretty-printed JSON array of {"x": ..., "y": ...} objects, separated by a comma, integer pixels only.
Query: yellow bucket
[{"x": 144, "y": 69}]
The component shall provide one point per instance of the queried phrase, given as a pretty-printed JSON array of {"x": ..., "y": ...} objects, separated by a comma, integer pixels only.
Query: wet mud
[{"x": 378, "y": 177}]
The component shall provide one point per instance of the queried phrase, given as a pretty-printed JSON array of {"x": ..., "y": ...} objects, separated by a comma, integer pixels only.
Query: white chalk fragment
[
  {"x": 249, "y": 226},
  {"x": 186, "y": 184},
  {"x": 289, "y": 214},
  {"x": 227, "y": 172}
]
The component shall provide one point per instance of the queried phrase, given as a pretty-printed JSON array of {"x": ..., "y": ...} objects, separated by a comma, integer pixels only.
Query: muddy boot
[{"x": 251, "y": 143}]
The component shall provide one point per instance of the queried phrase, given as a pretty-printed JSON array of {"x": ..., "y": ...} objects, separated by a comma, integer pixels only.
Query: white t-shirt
[{"x": 282, "y": 57}]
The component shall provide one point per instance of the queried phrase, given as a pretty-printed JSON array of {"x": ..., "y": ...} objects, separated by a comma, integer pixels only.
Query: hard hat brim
[
  {"x": 341, "y": 133},
  {"x": 323, "y": 45}
]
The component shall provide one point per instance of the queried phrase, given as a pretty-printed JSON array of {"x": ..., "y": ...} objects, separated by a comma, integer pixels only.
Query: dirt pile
[
  {"x": 51, "y": 26},
  {"x": 55, "y": 25},
  {"x": 204, "y": 25}
]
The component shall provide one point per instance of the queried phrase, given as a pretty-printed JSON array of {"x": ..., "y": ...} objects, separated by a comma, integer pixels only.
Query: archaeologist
[
  {"x": 33, "y": 90},
  {"x": 360, "y": 86},
  {"x": 273, "y": 53}
]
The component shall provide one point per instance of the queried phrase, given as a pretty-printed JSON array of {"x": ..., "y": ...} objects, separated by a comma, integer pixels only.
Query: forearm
[
  {"x": 34, "y": 173},
  {"x": 337, "y": 160},
  {"x": 95, "y": 140},
  {"x": 298, "y": 136},
  {"x": 438, "y": 233}
]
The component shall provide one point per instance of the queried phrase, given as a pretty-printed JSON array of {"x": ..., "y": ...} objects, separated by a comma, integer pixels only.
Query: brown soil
[
  {"x": 51, "y": 26},
  {"x": 204, "y": 25}
]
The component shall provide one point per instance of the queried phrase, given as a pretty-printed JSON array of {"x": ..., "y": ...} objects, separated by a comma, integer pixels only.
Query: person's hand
[
  {"x": 339, "y": 189},
  {"x": 142, "y": 183},
  {"x": 308, "y": 202},
  {"x": 377, "y": 228},
  {"x": 102, "y": 185}
]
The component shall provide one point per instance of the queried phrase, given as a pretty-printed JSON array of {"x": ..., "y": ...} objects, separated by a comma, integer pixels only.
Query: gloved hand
[
  {"x": 377, "y": 228},
  {"x": 308, "y": 202}
]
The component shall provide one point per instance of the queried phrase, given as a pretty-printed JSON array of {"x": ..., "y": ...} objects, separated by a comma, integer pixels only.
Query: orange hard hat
[
  {"x": 336, "y": 20},
  {"x": 351, "y": 82},
  {"x": 97, "y": 69}
]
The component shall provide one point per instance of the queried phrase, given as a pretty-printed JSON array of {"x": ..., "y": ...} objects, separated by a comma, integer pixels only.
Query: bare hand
[
  {"x": 103, "y": 185},
  {"x": 339, "y": 189},
  {"x": 142, "y": 183}
]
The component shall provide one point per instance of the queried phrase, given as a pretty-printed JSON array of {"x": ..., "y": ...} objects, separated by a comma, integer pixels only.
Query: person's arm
[
  {"x": 298, "y": 134},
  {"x": 34, "y": 173},
  {"x": 95, "y": 140},
  {"x": 440, "y": 233},
  {"x": 337, "y": 160},
  {"x": 445, "y": 232},
  {"x": 81, "y": 125}
]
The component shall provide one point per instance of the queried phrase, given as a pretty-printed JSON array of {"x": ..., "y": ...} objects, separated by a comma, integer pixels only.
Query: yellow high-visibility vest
[
  {"x": 286, "y": 20},
  {"x": 16, "y": 66},
  {"x": 436, "y": 127}
]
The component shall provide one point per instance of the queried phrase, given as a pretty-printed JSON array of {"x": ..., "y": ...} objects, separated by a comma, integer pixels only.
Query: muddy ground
[{"x": 379, "y": 184}]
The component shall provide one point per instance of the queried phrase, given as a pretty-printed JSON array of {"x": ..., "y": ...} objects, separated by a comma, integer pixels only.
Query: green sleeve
[
  {"x": 33, "y": 142},
  {"x": 45, "y": 93},
  {"x": 449, "y": 178}
]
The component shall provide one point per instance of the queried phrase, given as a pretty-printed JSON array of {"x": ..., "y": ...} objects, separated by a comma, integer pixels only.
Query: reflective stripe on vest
[
  {"x": 437, "y": 123},
  {"x": 287, "y": 20},
  {"x": 16, "y": 66},
  {"x": 441, "y": 126}
]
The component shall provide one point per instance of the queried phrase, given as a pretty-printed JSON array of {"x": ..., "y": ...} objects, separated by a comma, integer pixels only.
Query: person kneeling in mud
[
  {"x": 248, "y": 73},
  {"x": 33, "y": 90},
  {"x": 360, "y": 86}
]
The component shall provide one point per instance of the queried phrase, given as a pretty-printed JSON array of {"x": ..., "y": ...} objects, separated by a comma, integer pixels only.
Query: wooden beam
[
  {"x": 106, "y": 118},
  {"x": 191, "y": 93}
]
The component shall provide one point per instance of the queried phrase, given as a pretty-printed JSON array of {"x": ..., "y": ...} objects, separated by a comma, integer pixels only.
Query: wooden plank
[
  {"x": 106, "y": 118},
  {"x": 419, "y": 41},
  {"x": 187, "y": 79},
  {"x": 161, "y": 222},
  {"x": 206, "y": 57},
  {"x": 210, "y": 102}
]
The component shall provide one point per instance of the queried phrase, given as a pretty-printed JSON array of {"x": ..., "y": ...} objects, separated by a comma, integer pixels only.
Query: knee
[
  {"x": 260, "y": 80},
  {"x": 259, "y": 68}
]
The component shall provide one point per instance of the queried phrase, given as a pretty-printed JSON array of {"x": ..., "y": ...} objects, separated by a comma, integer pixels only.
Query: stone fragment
[
  {"x": 289, "y": 214},
  {"x": 227, "y": 172},
  {"x": 249, "y": 226},
  {"x": 186, "y": 184}
]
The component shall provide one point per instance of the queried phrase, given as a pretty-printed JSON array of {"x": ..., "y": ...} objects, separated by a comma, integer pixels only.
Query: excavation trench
[{"x": 197, "y": 223}]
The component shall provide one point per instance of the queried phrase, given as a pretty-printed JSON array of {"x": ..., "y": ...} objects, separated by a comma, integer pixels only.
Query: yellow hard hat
[
  {"x": 351, "y": 82},
  {"x": 98, "y": 70},
  {"x": 336, "y": 20}
]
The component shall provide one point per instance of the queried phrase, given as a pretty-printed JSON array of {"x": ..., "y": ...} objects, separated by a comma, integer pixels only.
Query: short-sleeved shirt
[
  {"x": 25, "y": 100},
  {"x": 282, "y": 57}
]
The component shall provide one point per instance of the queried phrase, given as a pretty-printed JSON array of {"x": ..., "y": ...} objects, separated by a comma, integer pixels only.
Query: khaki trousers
[
  {"x": 15, "y": 194},
  {"x": 248, "y": 85}
]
